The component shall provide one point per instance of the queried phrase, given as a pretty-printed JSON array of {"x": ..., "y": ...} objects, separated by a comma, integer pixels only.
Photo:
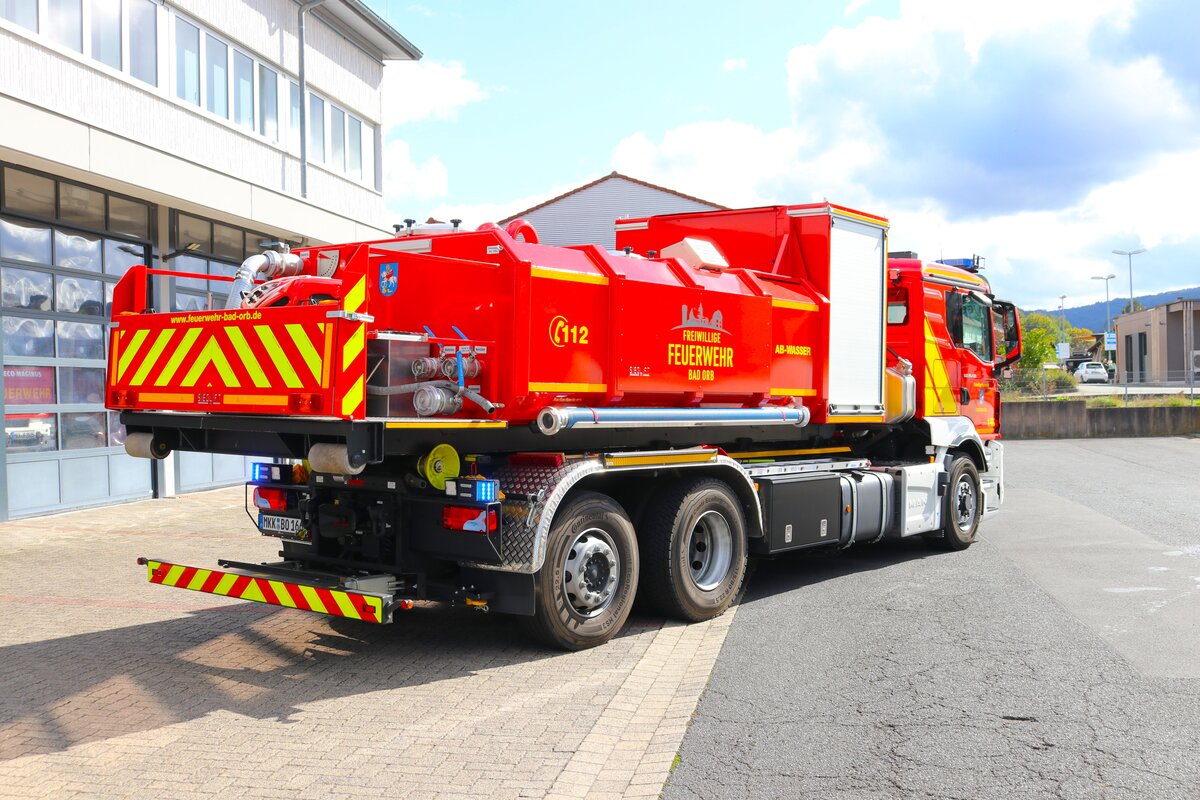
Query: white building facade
[
  {"x": 586, "y": 215},
  {"x": 169, "y": 134}
]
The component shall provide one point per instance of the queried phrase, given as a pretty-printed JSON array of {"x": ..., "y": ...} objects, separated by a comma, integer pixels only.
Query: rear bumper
[{"x": 267, "y": 585}]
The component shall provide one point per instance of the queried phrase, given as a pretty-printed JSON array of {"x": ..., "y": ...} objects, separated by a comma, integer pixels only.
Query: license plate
[{"x": 268, "y": 523}]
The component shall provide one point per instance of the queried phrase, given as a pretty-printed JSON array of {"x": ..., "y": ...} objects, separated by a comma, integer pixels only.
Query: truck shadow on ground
[
  {"x": 775, "y": 575},
  {"x": 248, "y": 659}
]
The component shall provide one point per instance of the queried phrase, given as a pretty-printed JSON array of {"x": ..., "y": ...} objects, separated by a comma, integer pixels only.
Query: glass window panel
[
  {"x": 24, "y": 288},
  {"x": 194, "y": 229},
  {"x": 218, "y": 268},
  {"x": 80, "y": 296},
  {"x": 22, "y": 12},
  {"x": 368, "y": 151},
  {"x": 80, "y": 206},
  {"x": 294, "y": 117},
  {"x": 354, "y": 154},
  {"x": 143, "y": 40},
  {"x": 227, "y": 242},
  {"x": 108, "y": 296},
  {"x": 80, "y": 340},
  {"x": 80, "y": 431},
  {"x": 337, "y": 138},
  {"x": 64, "y": 23},
  {"x": 216, "y": 75},
  {"x": 24, "y": 241},
  {"x": 80, "y": 384},
  {"x": 106, "y": 31},
  {"x": 32, "y": 194},
  {"x": 116, "y": 431},
  {"x": 243, "y": 90},
  {"x": 128, "y": 217},
  {"x": 189, "y": 302},
  {"x": 316, "y": 128},
  {"x": 120, "y": 256},
  {"x": 76, "y": 251},
  {"x": 187, "y": 61},
  {"x": 268, "y": 103},
  {"x": 190, "y": 264},
  {"x": 30, "y": 433},
  {"x": 28, "y": 337}
]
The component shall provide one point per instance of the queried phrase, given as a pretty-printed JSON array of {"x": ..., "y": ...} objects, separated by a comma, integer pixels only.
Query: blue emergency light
[
  {"x": 266, "y": 473},
  {"x": 486, "y": 491}
]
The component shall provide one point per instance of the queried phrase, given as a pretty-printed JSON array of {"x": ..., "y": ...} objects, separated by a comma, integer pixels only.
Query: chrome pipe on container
[{"x": 551, "y": 420}]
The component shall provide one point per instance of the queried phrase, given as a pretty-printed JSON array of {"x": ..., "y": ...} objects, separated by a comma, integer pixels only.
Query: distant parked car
[{"x": 1091, "y": 372}]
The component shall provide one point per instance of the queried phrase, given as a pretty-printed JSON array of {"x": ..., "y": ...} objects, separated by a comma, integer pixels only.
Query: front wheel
[
  {"x": 693, "y": 550},
  {"x": 587, "y": 583},
  {"x": 961, "y": 507}
]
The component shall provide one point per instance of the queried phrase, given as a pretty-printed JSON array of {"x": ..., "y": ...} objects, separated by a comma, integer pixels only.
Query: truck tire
[
  {"x": 961, "y": 507},
  {"x": 693, "y": 541},
  {"x": 588, "y": 580}
]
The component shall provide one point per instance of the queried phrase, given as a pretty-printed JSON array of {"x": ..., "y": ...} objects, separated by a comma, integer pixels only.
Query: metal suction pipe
[
  {"x": 551, "y": 420},
  {"x": 265, "y": 265}
]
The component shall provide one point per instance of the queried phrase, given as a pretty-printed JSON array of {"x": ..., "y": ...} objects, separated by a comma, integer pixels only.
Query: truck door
[{"x": 969, "y": 319}]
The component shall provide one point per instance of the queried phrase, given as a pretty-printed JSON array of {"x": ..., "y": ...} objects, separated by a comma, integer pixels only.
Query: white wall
[{"x": 587, "y": 216}]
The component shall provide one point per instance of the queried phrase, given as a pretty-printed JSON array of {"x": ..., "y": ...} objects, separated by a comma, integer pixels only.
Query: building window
[
  {"x": 337, "y": 138},
  {"x": 243, "y": 90},
  {"x": 216, "y": 76},
  {"x": 22, "y": 12},
  {"x": 105, "y": 27},
  {"x": 294, "y": 116},
  {"x": 143, "y": 41},
  {"x": 316, "y": 128},
  {"x": 355, "y": 142},
  {"x": 187, "y": 61},
  {"x": 64, "y": 20},
  {"x": 268, "y": 103}
]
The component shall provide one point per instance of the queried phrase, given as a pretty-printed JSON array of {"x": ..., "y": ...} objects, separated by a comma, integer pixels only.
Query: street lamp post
[
  {"x": 1129, "y": 254},
  {"x": 1062, "y": 321},
  {"x": 1107, "y": 305}
]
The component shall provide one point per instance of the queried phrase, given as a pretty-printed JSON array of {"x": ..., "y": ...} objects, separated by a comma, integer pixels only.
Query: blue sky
[{"x": 1041, "y": 135}]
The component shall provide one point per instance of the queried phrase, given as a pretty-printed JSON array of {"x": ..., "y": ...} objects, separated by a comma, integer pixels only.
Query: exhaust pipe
[{"x": 551, "y": 420}]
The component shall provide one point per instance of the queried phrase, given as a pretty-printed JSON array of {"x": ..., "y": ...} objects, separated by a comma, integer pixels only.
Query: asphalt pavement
[{"x": 1058, "y": 657}]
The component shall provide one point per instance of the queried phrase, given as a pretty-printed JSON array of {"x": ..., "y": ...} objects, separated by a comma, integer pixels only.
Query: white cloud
[
  {"x": 732, "y": 64},
  {"x": 426, "y": 90},
  {"x": 406, "y": 181},
  {"x": 998, "y": 129},
  {"x": 853, "y": 6}
]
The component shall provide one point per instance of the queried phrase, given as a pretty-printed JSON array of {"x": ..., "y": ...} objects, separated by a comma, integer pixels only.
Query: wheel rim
[
  {"x": 965, "y": 503},
  {"x": 591, "y": 571},
  {"x": 710, "y": 550}
]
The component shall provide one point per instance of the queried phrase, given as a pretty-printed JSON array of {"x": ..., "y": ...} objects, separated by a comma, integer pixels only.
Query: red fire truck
[{"x": 476, "y": 418}]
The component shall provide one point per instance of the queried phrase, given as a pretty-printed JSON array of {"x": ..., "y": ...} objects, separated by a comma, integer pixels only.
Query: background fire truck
[{"x": 551, "y": 431}]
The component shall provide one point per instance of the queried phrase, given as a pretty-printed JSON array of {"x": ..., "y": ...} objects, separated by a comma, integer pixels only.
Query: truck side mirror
[{"x": 1008, "y": 330}]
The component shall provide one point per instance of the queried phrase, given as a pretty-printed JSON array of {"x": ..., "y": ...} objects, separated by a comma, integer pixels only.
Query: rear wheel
[
  {"x": 693, "y": 541},
  {"x": 961, "y": 508},
  {"x": 586, "y": 586}
]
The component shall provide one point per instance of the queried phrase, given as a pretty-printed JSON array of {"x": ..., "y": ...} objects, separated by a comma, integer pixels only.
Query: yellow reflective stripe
[
  {"x": 278, "y": 357},
  {"x": 314, "y": 600},
  {"x": 284, "y": 596},
  {"x": 249, "y": 361},
  {"x": 225, "y": 584},
  {"x": 356, "y": 296},
  {"x": 354, "y": 346},
  {"x": 211, "y": 354},
  {"x": 938, "y": 394},
  {"x": 127, "y": 356},
  {"x": 199, "y": 579},
  {"x": 345, "y": 604},
  {"x": 352, "y": 398},
  {"x": 160, "y": 344},
  {"x": 252, "y": 592},
  {"x": 185, "y": 347},
  {"x": 307, "y": 351},
  {"x": 173, "y": 575}
]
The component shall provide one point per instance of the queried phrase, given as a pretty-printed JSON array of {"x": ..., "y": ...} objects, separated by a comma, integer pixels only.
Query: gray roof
[{"x": 355, "y": 17}]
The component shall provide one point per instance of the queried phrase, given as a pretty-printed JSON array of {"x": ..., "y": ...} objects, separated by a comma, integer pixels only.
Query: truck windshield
[{"x": 970, "y": 323}]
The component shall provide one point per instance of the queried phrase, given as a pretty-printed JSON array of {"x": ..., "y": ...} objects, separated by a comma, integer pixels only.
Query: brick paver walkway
[{"x": 111, "y": 687}]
